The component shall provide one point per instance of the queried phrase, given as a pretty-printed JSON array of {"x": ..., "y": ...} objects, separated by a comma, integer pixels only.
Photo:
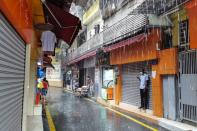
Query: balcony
[
  {"x": 90, "y": 45},
  {"x": 158, "y": 7},
  {"x": 124, "y": 28},
  {"x": 120, "y": 30}
]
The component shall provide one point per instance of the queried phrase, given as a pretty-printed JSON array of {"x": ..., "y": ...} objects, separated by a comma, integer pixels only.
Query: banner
[{"x": 54, "y": 73}]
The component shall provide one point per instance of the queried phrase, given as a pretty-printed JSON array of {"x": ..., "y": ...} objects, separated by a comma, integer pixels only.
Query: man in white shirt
[{"x": 143, "y": 78}]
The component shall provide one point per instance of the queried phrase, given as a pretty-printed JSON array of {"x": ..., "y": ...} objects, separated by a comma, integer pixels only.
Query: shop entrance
[
  {"x": 81, "y": 77},
  {"x": 130, "y": 83}
]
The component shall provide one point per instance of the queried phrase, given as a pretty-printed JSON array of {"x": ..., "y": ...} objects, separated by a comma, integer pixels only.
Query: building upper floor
[
  {"x": 120, "y": 25},
  {"x": 129, "y": 20}
]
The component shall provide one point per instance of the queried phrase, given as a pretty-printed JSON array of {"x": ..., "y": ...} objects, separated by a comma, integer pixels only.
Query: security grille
[
  {"x": 188, "y": 62},
  {"x": 188, "y": 86},
  {"x": 183, "y": 33},
  {"x": 130, "y": 84},
  {"x": 12, "y": 72}
]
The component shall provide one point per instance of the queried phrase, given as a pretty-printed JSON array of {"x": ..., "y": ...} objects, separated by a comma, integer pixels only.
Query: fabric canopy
[
  {"x": 66, "y": 25},
  {"x": 87, "y": 55},
  {"x": 129, "y": 41}
]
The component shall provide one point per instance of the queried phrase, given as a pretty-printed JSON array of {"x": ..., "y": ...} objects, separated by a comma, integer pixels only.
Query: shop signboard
[{"x": 53, "y": 73}]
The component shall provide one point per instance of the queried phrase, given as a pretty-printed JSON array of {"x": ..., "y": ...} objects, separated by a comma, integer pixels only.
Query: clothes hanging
[{"x": 48, "y": 39}]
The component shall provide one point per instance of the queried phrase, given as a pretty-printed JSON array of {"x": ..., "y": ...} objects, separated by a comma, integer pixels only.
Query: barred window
[{"x": 183, "y": 33}]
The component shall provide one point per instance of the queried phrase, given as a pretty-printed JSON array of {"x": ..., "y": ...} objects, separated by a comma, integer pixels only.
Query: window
[
  {"x": 183, "y": 33},
  {"x": 167, "y": 39}
]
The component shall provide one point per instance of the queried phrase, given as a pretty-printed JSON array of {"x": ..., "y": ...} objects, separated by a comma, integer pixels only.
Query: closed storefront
[
  {"x": 12, "y": 75},
  {"x": 130, "y": 83}
]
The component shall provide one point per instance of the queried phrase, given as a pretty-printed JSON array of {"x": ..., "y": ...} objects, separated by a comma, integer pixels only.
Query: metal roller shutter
[
  {"x": 12, "y": 74},
  {"x": 130, "y": 84}
]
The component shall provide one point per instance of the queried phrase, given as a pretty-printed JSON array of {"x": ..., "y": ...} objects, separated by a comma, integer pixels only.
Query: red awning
[
  {"x": 129, "y": 41},
  {"x": 66, "y": 25},
  {"x": 85, "y": 56}
]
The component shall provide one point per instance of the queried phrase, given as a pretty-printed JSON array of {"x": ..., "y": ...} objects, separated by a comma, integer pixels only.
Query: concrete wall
[
  {"x": 26, "y": 88},
  {"x": 32, "y": 87},
  {"x": 29, "y": 86},
  {"x": 32, "y": 53}
]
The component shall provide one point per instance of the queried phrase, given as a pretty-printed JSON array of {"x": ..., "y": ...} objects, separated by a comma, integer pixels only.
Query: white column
[{"x": 26, "y": 87}]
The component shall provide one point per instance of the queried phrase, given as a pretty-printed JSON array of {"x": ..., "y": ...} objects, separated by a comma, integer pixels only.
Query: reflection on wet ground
[{"x": 71, "y": 113}]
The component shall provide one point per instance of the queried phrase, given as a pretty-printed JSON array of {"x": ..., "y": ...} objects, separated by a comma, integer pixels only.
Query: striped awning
[
  {"x": 126, "y": 42},
  {"x": 85, "y": 56}
]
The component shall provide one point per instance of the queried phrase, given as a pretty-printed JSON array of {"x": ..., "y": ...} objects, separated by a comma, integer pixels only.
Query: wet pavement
[{"x": 71, "y": 113}]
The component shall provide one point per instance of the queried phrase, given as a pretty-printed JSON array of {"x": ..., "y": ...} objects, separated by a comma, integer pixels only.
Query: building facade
[
  {"x": 140, "y": 35},
  {"x": 20, "y": 55}
]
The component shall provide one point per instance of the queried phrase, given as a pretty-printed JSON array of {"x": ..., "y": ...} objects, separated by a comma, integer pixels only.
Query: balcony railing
[
  {"x": 125, "y": 27},
  {"x": 92, "y": 44},
  {"x": 158, "y": 6}
]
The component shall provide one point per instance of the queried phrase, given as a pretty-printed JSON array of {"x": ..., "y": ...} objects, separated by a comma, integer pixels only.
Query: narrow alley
[
  {"x": 71, "y": 113},
  {"x": 98, "y": 65}
]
